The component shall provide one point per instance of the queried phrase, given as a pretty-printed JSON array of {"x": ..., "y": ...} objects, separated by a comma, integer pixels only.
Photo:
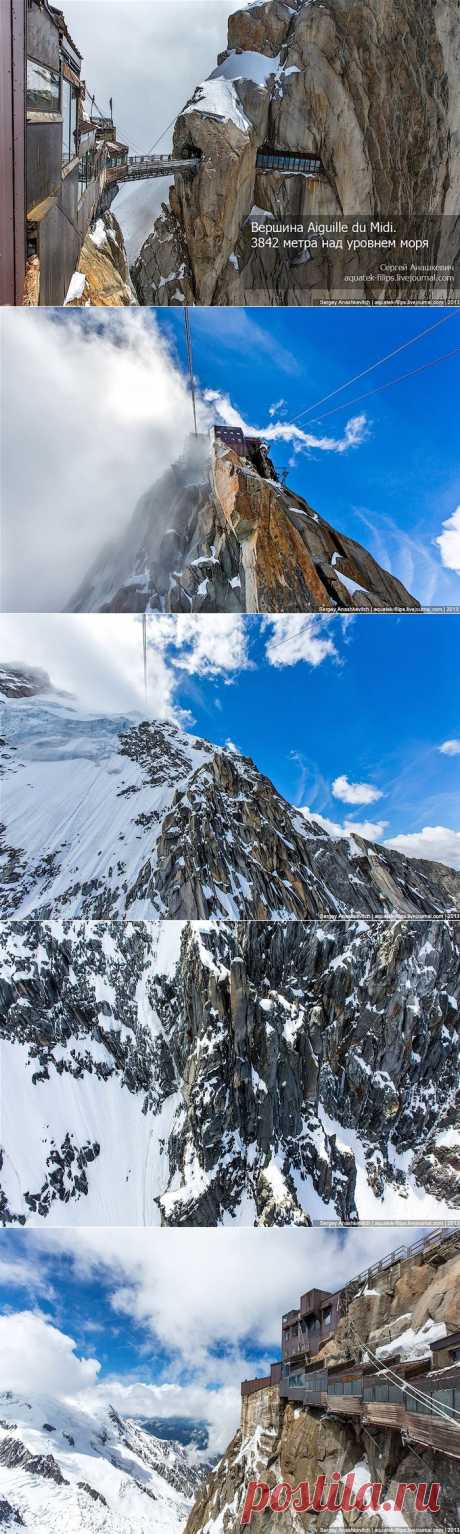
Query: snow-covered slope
[
  {"x": 263, "y": 1073},
  {"x": 66, "y": 1470},
  {"x": 105, "y": 816}
]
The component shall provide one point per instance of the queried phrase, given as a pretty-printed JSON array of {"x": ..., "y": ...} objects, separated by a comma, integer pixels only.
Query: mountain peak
[
  {"x": 219, "y": 532},
  {"x": 159, "y": 822}
]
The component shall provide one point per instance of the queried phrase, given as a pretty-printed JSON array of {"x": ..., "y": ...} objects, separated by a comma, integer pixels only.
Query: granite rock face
[
  {"x": 368, "y": 87},
  {"x": 219, "y": 533},
  {"x": 269, "y": 1072},
  {"x": 104, "y": 264}
]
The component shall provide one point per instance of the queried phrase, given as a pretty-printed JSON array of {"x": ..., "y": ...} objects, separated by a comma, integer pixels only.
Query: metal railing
[
  {"x": 90, "y": 167},
  {"x": 401, "y": 1253},
  {"x": 272, "y": 159}
]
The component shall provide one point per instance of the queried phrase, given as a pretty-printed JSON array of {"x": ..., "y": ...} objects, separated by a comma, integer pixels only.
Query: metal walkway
[{"x": 146, "y": 167}]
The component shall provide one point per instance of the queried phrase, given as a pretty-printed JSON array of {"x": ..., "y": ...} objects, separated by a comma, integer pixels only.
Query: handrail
[{"x": 432, "y": 1239}]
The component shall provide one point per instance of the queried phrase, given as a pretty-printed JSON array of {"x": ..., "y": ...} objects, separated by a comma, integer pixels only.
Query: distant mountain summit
[
  {"x": 220, "y": 533},
  {"x": 18, "y": 681},
  {"x": 62, "y": 1467}
]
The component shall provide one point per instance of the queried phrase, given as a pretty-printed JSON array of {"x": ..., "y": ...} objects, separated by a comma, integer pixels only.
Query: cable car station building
[
  {"x": 54, "y": 157},
  {"x": 418, "y": 1396}
]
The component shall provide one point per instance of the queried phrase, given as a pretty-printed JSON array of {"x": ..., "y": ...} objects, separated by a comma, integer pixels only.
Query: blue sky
[
  {"x": 394, "y": 491},
  {"x": 372, "y": 700},
  {"x": 376, "y": 710},
  {"x": 163, "y": 1322}
]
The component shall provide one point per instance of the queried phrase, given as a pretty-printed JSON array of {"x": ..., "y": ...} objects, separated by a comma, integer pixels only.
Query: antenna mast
[
  {"x": 188, "y": 343},
  {"x": 144, "y": 653}
]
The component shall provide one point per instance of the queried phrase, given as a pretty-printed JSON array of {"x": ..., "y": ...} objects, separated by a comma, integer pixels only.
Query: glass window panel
[
  {"x": 66, "y": 102},
  {"x": 73, "y": 123},
  {"x": 42, "y": 88}
]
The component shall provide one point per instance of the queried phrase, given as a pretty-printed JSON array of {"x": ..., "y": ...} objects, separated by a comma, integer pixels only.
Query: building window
[
  {"x": 69, "y": 121},
  {"x": 42, "y": 88}
]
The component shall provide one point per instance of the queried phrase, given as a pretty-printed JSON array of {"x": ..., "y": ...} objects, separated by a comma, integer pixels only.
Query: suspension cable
[
  {"x": 144, "y": 654},
  {"x": 380, "y": 387},
  {"x": 388, "y": 358},
  {"x": 188, "y": 343},
  {"x": 446, "y": 1413}
]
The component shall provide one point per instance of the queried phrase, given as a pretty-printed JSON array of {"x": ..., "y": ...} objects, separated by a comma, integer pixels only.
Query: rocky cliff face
[
  {"x": 104, "y": 264},
  {"x": 106, "y": 817},
  {"x": 368, "y": 87},
  {"x": 268, "y": 1073},
  {"x": 218, "y": 533},
  {"x": 291, "y": 1444},
  {"x": 88, "y": 1469}
]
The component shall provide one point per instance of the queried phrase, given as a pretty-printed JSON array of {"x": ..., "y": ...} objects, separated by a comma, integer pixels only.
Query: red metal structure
[{"x": 12, "y": 150}]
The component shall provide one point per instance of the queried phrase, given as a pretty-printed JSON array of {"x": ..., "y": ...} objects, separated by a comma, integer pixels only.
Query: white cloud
[
  {"x": 295, "y": 638},
  {"x": 354, "y": 434},
  {"x": 355, "y": 431},
  {"x": 355, "y": 793},
  {"x": 371, "y": 830},
  {"x": 277, "y": 407},
  {"x": 209, "y": 645},
  {"x": 203, "y": 1294},
  {"x": 450, "y": 748},
  {"x": 438, "y": 843},
  {"x": 107, "y": 410},
  {"x": 149, "y": 59},
  {"x": 449, "y": 542},
  {"x": 25, "y": 1275},
  {"x": 238, "y": 1282},
  {"x": 98, "y": 657},
  {"x": 36, "y": 1356}
]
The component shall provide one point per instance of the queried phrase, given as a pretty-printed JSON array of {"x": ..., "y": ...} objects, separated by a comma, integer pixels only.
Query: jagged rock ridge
[
  {"x": 107, "y": 817},
  {"x": 219, "y": 533},
  {"x": 268, "y": 1073},
  {"x": 367, "y": 86},
  {"x": 88, "y": 1469},
  {"x": 279, "y": 1442}
]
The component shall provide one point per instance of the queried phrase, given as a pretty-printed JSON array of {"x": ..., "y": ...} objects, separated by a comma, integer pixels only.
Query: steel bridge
[{"x": 144, "y": 167}]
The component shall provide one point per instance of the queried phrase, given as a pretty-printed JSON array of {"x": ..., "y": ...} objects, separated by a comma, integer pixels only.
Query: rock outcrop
[
  {"x": 219, "y": 533},
  {"x": 106, "y": 817},
  {"x": 279, "y": 1442},
  {"x": 104, "y": 264},
  {"x": 368, "y": 87},
  {"x": 269, "y": 1073}
]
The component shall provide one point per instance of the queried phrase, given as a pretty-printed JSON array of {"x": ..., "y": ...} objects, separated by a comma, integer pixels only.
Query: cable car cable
[
  {"x": 380, "y": 387},
  {"x": 188, "y": 343},
  {"x": 378, "y": 364}
]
